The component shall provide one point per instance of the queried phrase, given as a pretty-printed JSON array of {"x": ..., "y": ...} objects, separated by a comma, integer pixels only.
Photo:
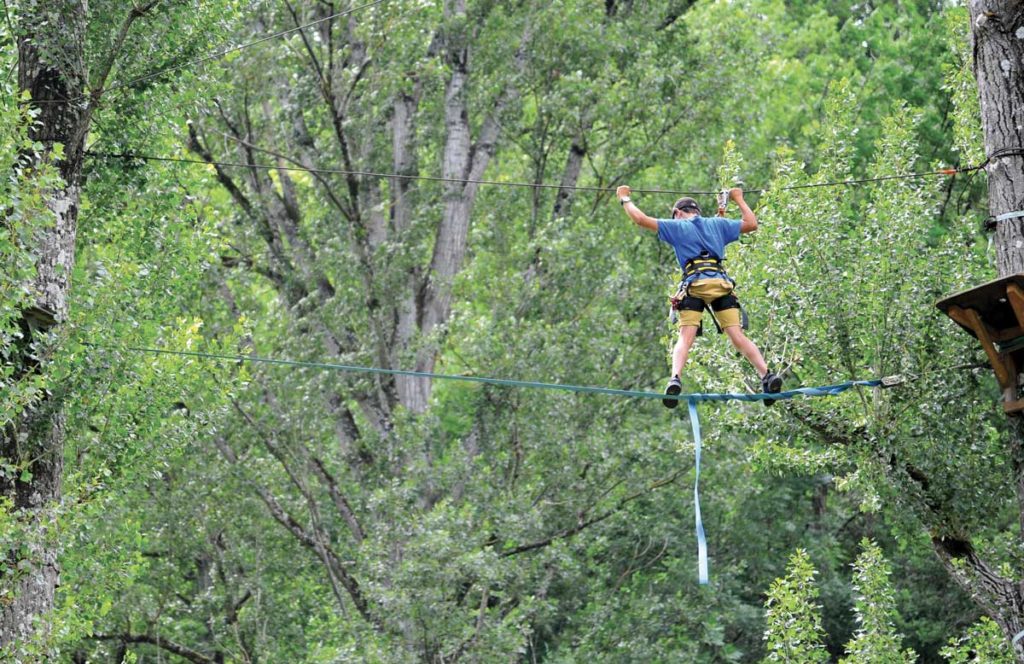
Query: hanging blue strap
[
  {"x": 702, "y": 543},
  {"x": 691, "y": 402}
]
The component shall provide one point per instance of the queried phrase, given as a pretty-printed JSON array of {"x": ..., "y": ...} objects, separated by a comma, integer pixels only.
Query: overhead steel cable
[
  {"x": 881, "y": 178},
  {"x": 507, "y": 183},
  {"x": 209, "y": 57},
  {"x": 394, "y": 176}
]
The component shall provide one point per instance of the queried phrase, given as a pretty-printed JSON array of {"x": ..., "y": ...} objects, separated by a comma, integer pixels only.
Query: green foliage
[
  {"x": 731, "y": 170},
  {"x": 983, "y": 642},
  {"x": 871, "y": 248},
  {"x": 876, "y": 639},
  {"x": 793, "y": 629},
  {"x": 505, "y": 525},
  {"x": 963, "y": 88}
]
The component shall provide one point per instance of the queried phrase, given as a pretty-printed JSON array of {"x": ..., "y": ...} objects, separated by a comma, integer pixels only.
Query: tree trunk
[
  {"x": 997, "y": 36},
  {"x": 997, "y": 39},
  {"x": 466, "y": 158},
  {"x": 994, "y": 594},
  {"x": 52, "y": 68}
]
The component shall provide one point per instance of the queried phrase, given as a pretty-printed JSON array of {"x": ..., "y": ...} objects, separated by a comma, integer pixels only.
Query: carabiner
[{"x": 723, "y": 200}]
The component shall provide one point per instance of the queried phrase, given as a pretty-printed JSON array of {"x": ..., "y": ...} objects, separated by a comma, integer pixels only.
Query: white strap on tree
[{"x": 1007, "y": 216}]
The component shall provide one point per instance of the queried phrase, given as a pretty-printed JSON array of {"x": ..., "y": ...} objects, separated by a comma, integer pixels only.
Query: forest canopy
[{"x": 429, "y": 186}]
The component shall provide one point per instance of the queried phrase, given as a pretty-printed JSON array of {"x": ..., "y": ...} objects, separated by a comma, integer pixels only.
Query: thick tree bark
[
  {"x": 52, "y": 69},
  {"x": 997, "y": 35},
  {"x": 997, "y": 38},
  {"x": 996, "y": 595}
]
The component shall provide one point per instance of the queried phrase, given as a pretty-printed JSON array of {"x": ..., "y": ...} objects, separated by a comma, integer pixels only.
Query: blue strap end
[{"x": 702, "y": 543}]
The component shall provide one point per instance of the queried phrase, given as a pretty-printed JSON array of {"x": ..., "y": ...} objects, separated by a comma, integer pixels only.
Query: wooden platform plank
[
  {"x": 971, "y": 320},
  {"x": 1015, "y": 295},
  {"x": 992, "y": 302}
]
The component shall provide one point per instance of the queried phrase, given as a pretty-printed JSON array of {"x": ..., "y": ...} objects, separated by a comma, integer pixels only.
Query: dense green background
[{"x": 819, "y": 549}]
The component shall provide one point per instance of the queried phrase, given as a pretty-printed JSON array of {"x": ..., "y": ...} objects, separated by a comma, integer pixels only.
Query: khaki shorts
[{"x": 710, "y": 290}]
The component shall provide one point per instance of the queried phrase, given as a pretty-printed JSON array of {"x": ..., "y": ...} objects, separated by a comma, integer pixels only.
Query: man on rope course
[{"x": 699, "y": 243}]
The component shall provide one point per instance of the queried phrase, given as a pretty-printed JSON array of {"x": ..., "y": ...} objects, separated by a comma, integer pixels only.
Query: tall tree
[
  {"x": 66, "y": 53},
  {"x": 997, "y": 40},
  {"x": 51, "y": 68}
]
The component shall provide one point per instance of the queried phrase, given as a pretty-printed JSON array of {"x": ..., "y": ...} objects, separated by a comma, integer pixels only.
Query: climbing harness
[
  {"x": 710, "y": 265},
  {"x": 683, "y": 302},
  {"x": 706, "y": 263}
]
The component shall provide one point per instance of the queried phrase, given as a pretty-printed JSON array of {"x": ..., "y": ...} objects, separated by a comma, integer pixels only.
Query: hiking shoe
[
  {"x": 770, "y": 384},
  {"x": 675, "y": 386}
]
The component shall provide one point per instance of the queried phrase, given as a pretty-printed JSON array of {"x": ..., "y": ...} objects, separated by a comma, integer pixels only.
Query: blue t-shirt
[{"x": 691, "y": 237}]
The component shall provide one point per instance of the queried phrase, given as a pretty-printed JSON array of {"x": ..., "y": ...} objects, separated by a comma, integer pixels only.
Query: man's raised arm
[
  {"x": 635, "y": 213},
  {"x": 747, "y": 216}
]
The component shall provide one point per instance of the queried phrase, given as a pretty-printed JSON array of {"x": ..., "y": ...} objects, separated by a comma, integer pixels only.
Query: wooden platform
[{"x": 993, "y": 313}]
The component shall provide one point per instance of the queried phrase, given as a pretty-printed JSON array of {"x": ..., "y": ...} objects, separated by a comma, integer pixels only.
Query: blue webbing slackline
[
  {"x": 691, "y": 402},
  {"x": 501, "y": 382}
]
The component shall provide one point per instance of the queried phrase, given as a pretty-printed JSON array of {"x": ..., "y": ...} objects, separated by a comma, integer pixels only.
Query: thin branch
[
  {"x": 170, "y": 646},
  {"x": 675, "y": 13},
  {"x": 317, "y": 67},
  {"x": 314, "y": 539},
  {"x": 340, "y": 502},
  {"x": 108, "y": 64},
  {"x": 299, "y": 166},
  {"x": 586, "y": 523}
]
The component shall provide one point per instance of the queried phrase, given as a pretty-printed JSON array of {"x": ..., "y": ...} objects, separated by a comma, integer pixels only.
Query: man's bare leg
[
  {"x": 681, "y": 351},
  {"x": 747, "y": 347},
  {"x": 687, "y": 333},
  {"x": 770, "y": 383}
]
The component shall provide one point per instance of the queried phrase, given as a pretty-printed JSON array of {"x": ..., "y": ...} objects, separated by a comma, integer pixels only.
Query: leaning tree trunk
[
  {"x": 51, "y": 68},
  {"x": 997, "y": 38}
]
